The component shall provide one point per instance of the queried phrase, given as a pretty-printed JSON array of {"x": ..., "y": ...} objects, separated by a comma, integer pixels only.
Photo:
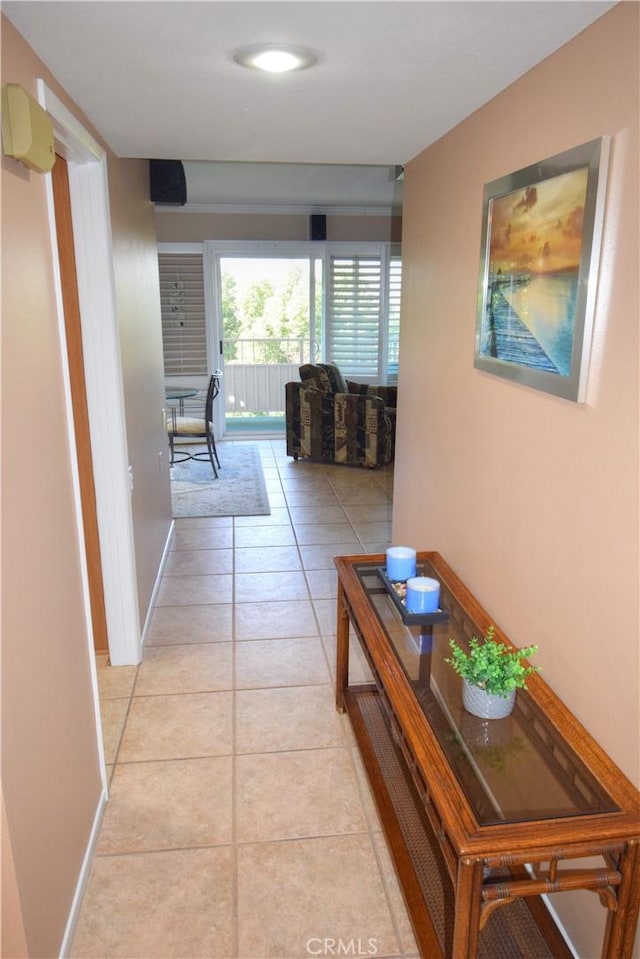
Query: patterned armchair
[{"x": 334, "y": 420}]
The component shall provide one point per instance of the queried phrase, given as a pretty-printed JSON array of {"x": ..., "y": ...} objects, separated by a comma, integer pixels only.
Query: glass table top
[
  {"x": 180, "y": 392},
  {"x": 511, "y": 770}
]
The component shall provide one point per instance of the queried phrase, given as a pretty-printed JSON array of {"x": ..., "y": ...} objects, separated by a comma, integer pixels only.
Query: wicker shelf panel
[{"x": 511, "y": 932}]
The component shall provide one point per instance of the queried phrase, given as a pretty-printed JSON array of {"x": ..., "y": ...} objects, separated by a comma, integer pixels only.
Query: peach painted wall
[
  {"x": 51, "y": 779},
  {"x": 50, "y": 761},
  {"x": 533, "y": 499},
  {"x": 175, "y": 227},
  {"x": 13, "y": 943}
]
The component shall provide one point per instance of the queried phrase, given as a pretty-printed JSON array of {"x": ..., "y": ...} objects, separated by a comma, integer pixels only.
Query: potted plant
[{"x": 491, "y": 672}]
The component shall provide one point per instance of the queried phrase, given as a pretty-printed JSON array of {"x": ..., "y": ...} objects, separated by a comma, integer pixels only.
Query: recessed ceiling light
[{"x": 275, "y": 57}]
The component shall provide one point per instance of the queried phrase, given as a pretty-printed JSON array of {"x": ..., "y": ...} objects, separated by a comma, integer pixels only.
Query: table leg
[
  {"x": 468, "y": 900},
  {"x": 342, "y": 649},
  {"x": 621, "y": 925}
]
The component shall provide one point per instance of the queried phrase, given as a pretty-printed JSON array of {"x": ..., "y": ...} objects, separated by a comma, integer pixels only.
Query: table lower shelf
[{"x": 511, "y": 932}]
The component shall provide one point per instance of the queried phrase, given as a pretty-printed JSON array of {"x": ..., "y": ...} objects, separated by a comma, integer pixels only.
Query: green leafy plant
[{"x": 491, "y": 665}]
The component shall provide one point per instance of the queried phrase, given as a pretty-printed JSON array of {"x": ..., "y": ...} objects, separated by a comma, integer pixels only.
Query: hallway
[{"x": 240, "y": 823}]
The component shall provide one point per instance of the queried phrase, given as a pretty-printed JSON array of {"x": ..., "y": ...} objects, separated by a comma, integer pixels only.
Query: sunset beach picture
[
  {"x": 538, "y": 238},
  {"x": 535, "y": 245}
]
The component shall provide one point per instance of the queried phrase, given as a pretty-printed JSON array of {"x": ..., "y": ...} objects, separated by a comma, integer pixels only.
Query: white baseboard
[
  {"x": 561, "y": 929},
  {"x": 83, "y": 876},
  {"x": 156, "y": 586},
  {"x": 100, "y": 809}
]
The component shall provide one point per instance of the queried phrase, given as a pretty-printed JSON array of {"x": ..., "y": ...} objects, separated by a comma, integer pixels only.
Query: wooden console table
[{"x": 481, "y": 817}]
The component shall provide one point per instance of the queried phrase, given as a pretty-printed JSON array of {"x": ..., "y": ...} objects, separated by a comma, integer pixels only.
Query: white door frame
[{"x": 87, "y": 164}]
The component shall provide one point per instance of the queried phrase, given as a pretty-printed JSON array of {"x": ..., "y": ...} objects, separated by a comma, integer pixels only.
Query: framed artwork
[{"x": 541, "y": 235}]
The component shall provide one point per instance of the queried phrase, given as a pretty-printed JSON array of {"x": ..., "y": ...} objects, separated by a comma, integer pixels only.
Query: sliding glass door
[
  {"x": 258, "y": 311},
  {"x": 267, "y": 317}
]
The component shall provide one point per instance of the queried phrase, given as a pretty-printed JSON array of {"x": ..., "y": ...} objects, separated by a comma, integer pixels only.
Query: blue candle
[
  {"x": 423, "y": 594},
  {"x": 401, "y": 563}
]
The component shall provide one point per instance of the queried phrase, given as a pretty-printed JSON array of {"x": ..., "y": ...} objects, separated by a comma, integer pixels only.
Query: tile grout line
[
  {"x": 235, "y": 923},
  {"x": 325, "y": 641}
]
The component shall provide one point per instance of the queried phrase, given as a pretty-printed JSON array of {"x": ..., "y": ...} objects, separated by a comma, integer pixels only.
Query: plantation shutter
[
  {"x": 184, "y": 337},
  {"x": 394, "y": 293},
  {"x": 353, "y": 314}
]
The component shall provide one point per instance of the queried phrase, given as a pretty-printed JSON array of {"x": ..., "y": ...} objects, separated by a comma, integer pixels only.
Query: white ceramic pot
[{"x": 480, "y": 703}]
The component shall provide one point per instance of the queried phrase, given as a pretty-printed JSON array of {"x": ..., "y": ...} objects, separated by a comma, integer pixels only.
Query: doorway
[
  {"x": 75, "y": 360},
  {"x": 88, "y": 195},
  {"x": 267, "y": 315}
]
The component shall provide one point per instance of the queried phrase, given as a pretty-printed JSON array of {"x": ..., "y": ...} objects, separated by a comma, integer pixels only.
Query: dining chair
[{"x": 193, "y": 427}]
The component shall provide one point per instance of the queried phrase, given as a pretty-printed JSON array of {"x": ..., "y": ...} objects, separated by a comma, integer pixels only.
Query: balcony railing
[{"x": 256, "y": 370}]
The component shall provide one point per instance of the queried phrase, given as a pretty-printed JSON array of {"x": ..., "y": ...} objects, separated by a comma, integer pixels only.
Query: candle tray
[{"x": 408, "y": 618}]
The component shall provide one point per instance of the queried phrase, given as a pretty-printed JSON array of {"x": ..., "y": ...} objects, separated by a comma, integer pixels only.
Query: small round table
[{"x": 181, "y": 394}]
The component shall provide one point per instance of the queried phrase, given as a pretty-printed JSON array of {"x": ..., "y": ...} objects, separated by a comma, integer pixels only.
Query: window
[
  {"x": 363, "y": 311},
  {"x": 184, "y": 336},
  {"x": 354, "y": 304},
  {"x": 353, "y": 314},
  {"x": 393, "y": 315}
]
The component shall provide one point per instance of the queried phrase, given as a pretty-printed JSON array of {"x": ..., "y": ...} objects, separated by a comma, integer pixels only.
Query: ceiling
[{"x": 157, "y": 79}]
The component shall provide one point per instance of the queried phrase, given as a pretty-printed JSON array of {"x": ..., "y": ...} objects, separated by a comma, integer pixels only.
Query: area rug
[{"x": 239, "y": 490}]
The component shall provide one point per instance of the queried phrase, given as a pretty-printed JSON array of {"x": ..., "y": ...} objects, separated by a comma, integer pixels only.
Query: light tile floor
[{"x": 240, "y": 823}]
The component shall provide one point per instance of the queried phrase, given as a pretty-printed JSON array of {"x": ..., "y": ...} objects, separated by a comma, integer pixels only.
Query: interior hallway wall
[
  {"x": 50, "y": 761},
  {"x": 135, "y": 257},
  {"x": 532, "y": 499},
  {"x": 181, "y": 227},
  {"x": 50, "y": 774}
]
